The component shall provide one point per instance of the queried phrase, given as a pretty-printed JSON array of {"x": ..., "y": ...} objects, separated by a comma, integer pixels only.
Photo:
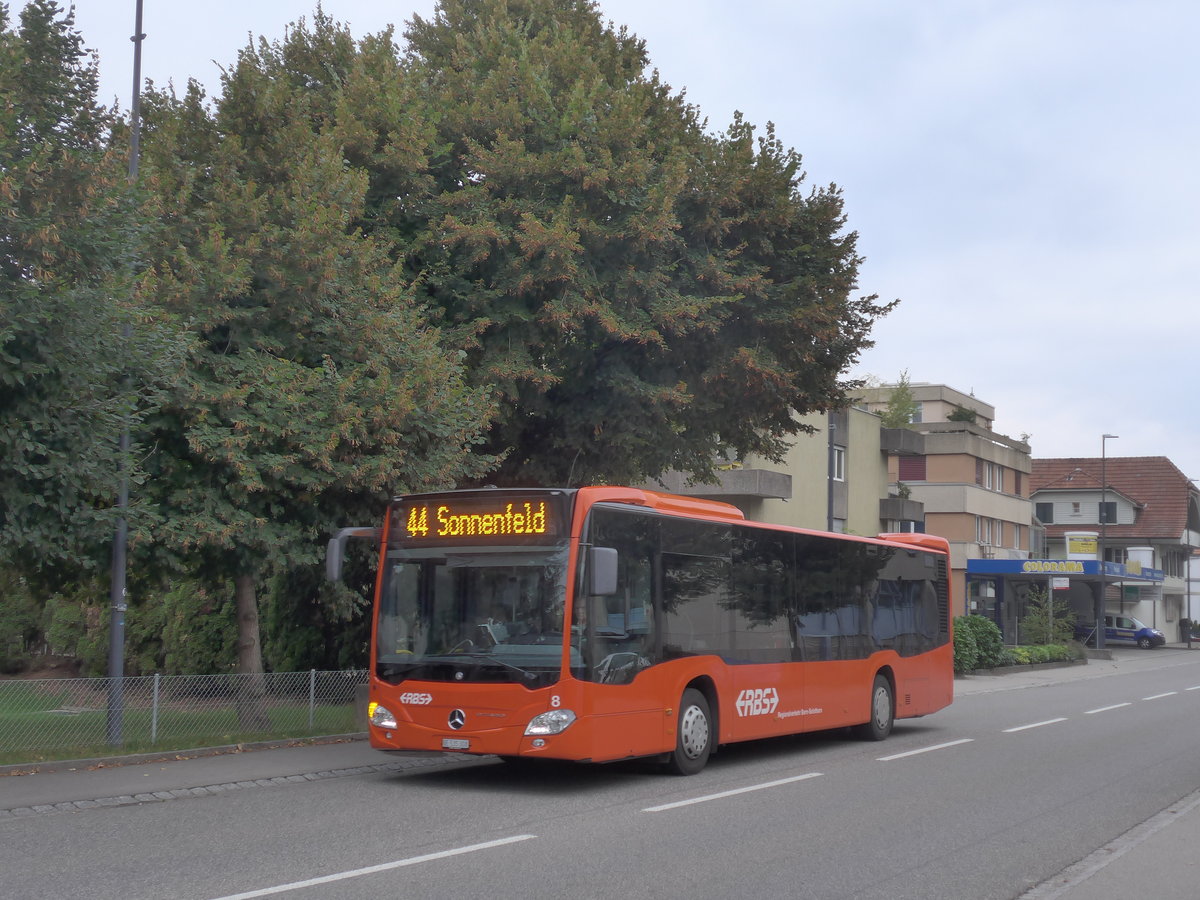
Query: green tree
[
  {"x": 902, "y": 406},
  {"x": 69, "y": 378},
  {"x": 1047, "y": 620},
  {"x": 20, "y": 618},
  {"x": 318, "y": 386},
  {"x": 637, "y": 293}
]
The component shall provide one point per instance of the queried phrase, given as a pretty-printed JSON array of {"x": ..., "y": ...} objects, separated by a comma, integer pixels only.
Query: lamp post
[
  {"x": 1104, "y": 439},
  {"x": 117, "y": 598},
  {"x": 1187, "y": 568},
  {"x": 1187, "y": 586}
]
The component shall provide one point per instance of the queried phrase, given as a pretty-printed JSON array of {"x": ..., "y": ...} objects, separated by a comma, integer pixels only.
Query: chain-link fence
[{"x": 65, "y": 718}]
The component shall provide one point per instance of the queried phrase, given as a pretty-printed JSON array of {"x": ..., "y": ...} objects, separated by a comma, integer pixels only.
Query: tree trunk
[{"x": 252, "y": 686}]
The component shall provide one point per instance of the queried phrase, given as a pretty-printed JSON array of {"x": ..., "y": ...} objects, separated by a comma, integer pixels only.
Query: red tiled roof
[{"x": 1160, "y": 490}]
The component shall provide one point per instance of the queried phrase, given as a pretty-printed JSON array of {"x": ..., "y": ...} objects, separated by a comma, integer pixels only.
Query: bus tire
[
  {"x": 693, "y": 734},
  {"x": 883, "y": 712}
]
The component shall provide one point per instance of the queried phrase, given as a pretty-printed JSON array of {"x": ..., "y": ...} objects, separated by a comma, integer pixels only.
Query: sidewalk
[
  {"x": 1156, "y": 858},
  {"x": 1122, "y": 659},
  {"x": 84, "y": 784}
]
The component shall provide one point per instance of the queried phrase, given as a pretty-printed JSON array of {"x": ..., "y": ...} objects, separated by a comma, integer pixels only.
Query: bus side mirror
[
  {"x": 602, "y": 571},
  {"x": 335, "y": 555}
]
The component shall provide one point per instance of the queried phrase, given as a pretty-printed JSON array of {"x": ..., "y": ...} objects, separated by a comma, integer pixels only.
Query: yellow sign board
[{"x": 1081, "y": 545}]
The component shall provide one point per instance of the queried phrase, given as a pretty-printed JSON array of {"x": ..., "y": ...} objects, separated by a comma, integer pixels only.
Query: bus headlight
[
  {"x": 554, "y": 722},
  {"x": 380, "y": 716}
]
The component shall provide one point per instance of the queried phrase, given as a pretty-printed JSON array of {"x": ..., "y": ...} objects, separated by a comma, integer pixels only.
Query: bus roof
[{"x": 668, "y": 503}]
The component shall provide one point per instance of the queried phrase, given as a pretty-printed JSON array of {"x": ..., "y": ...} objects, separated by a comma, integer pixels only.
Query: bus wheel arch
[
  {"x": 696, "y": 728},
  {"x": 882, "y": 708}
]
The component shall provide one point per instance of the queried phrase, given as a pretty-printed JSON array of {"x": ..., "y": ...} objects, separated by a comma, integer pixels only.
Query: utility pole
[
  {"x": 117, "y": 590},
  {"x": 1100, "y": 632}
]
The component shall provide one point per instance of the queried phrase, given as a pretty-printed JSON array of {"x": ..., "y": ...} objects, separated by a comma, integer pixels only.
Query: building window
[
  {"x": 983, "y": 530},
  {"x": 1044, "y": 512},
  {"x": 1108, "y": 512},
  {"x": 912, "y": 468},
  {"x": 1016, "y": 533},
  {"x": 989, "y": 476},
  {"x": 839, "y": 463},
  {"x": 1116, "y": 555}
]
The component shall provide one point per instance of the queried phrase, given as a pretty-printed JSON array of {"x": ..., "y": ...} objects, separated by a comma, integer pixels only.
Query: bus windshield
[{"x": 472, "y": 616}]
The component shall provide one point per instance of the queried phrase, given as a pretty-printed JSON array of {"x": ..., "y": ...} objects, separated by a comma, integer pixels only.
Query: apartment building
[
  {"x": 972, "y": 482},
  {"x": 832, "y": 479}
]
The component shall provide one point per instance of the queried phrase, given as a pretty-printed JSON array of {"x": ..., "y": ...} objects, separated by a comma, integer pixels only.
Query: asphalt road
[{"x": 1021, "y": 778}]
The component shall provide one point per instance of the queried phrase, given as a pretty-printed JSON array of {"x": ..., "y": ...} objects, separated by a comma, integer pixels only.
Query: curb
[
  {"x": 109, "y": 762},
  {"x": 1030, "y": 667}
]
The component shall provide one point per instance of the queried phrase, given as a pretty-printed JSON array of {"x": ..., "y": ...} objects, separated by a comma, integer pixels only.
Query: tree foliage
[
  {"x": 639, "y": 294},
  {"x": 317, "y": 386},
  {"x": 505, "y": 252},
  {"x": 901, "y": 407},
  {"x": 77, "y": 360}
]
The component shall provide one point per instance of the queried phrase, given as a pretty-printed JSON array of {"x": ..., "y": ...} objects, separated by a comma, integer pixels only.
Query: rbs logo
[
  {"x": 757, "y": 702},
  {"x": 413, "y": 698}
]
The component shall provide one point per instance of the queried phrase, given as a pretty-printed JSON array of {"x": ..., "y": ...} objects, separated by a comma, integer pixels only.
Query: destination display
[{"x": 475, "y": 519}]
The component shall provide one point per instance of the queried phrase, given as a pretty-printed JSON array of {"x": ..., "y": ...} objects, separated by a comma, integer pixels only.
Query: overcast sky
[{"x": 1023, "y": 175}]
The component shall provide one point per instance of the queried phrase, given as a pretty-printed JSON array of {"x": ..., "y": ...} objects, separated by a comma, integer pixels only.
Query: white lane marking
[
  {"x": 1036, "y": 725},
  {"x": 1160, "y": 696},
  {"x": 1194, "y": 688},
  {"x": 925, "y": 750},
  {"x": 745, "y": 790},
  {"x": 1092, "y": 712},
  {"x": 382, "y": 867}
]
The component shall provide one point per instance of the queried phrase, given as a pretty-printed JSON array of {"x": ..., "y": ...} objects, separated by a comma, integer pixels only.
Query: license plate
[{"x": 456, "y": 744}]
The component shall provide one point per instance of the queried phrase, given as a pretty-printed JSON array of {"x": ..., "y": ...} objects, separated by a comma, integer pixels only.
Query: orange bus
[{"x": 605, "y": 623}]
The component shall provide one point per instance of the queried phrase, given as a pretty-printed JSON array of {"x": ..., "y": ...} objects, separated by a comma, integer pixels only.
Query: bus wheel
[
  {"x": 883, "y": 712},
  {"x": 694, "y": 735}
]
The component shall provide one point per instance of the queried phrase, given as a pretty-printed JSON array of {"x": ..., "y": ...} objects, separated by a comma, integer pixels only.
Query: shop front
[{"x": 1000, "y": 589}]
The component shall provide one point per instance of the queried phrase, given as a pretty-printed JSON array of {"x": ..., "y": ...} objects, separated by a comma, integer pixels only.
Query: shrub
[
  {"x": 977, "y": 644},
  {"x": 966, "y": 652},
  {"x": 989, "y": 641}
]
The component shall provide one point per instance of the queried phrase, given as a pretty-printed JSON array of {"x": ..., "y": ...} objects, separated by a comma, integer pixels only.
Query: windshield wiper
[{"x": 482, "y": 658}]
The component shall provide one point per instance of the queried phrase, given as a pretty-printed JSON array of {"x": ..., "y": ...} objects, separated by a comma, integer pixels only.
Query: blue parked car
[{"x": 1122, "y": 630}]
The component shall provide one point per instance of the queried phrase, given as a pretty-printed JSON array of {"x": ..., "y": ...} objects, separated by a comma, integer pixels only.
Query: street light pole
[
  {"x": 1104, "y": 439},
  {"x": 1187, "y": 585},
  {"x": 117, "y": 592},
  {"x": 1187, "y": 569}
]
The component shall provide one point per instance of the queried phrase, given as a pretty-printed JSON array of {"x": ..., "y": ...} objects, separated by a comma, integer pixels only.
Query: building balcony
[
  {"x": 901, "y": 442},
  {"x": 899, "y": 509},
  {"x": 761, "y": 484}
]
